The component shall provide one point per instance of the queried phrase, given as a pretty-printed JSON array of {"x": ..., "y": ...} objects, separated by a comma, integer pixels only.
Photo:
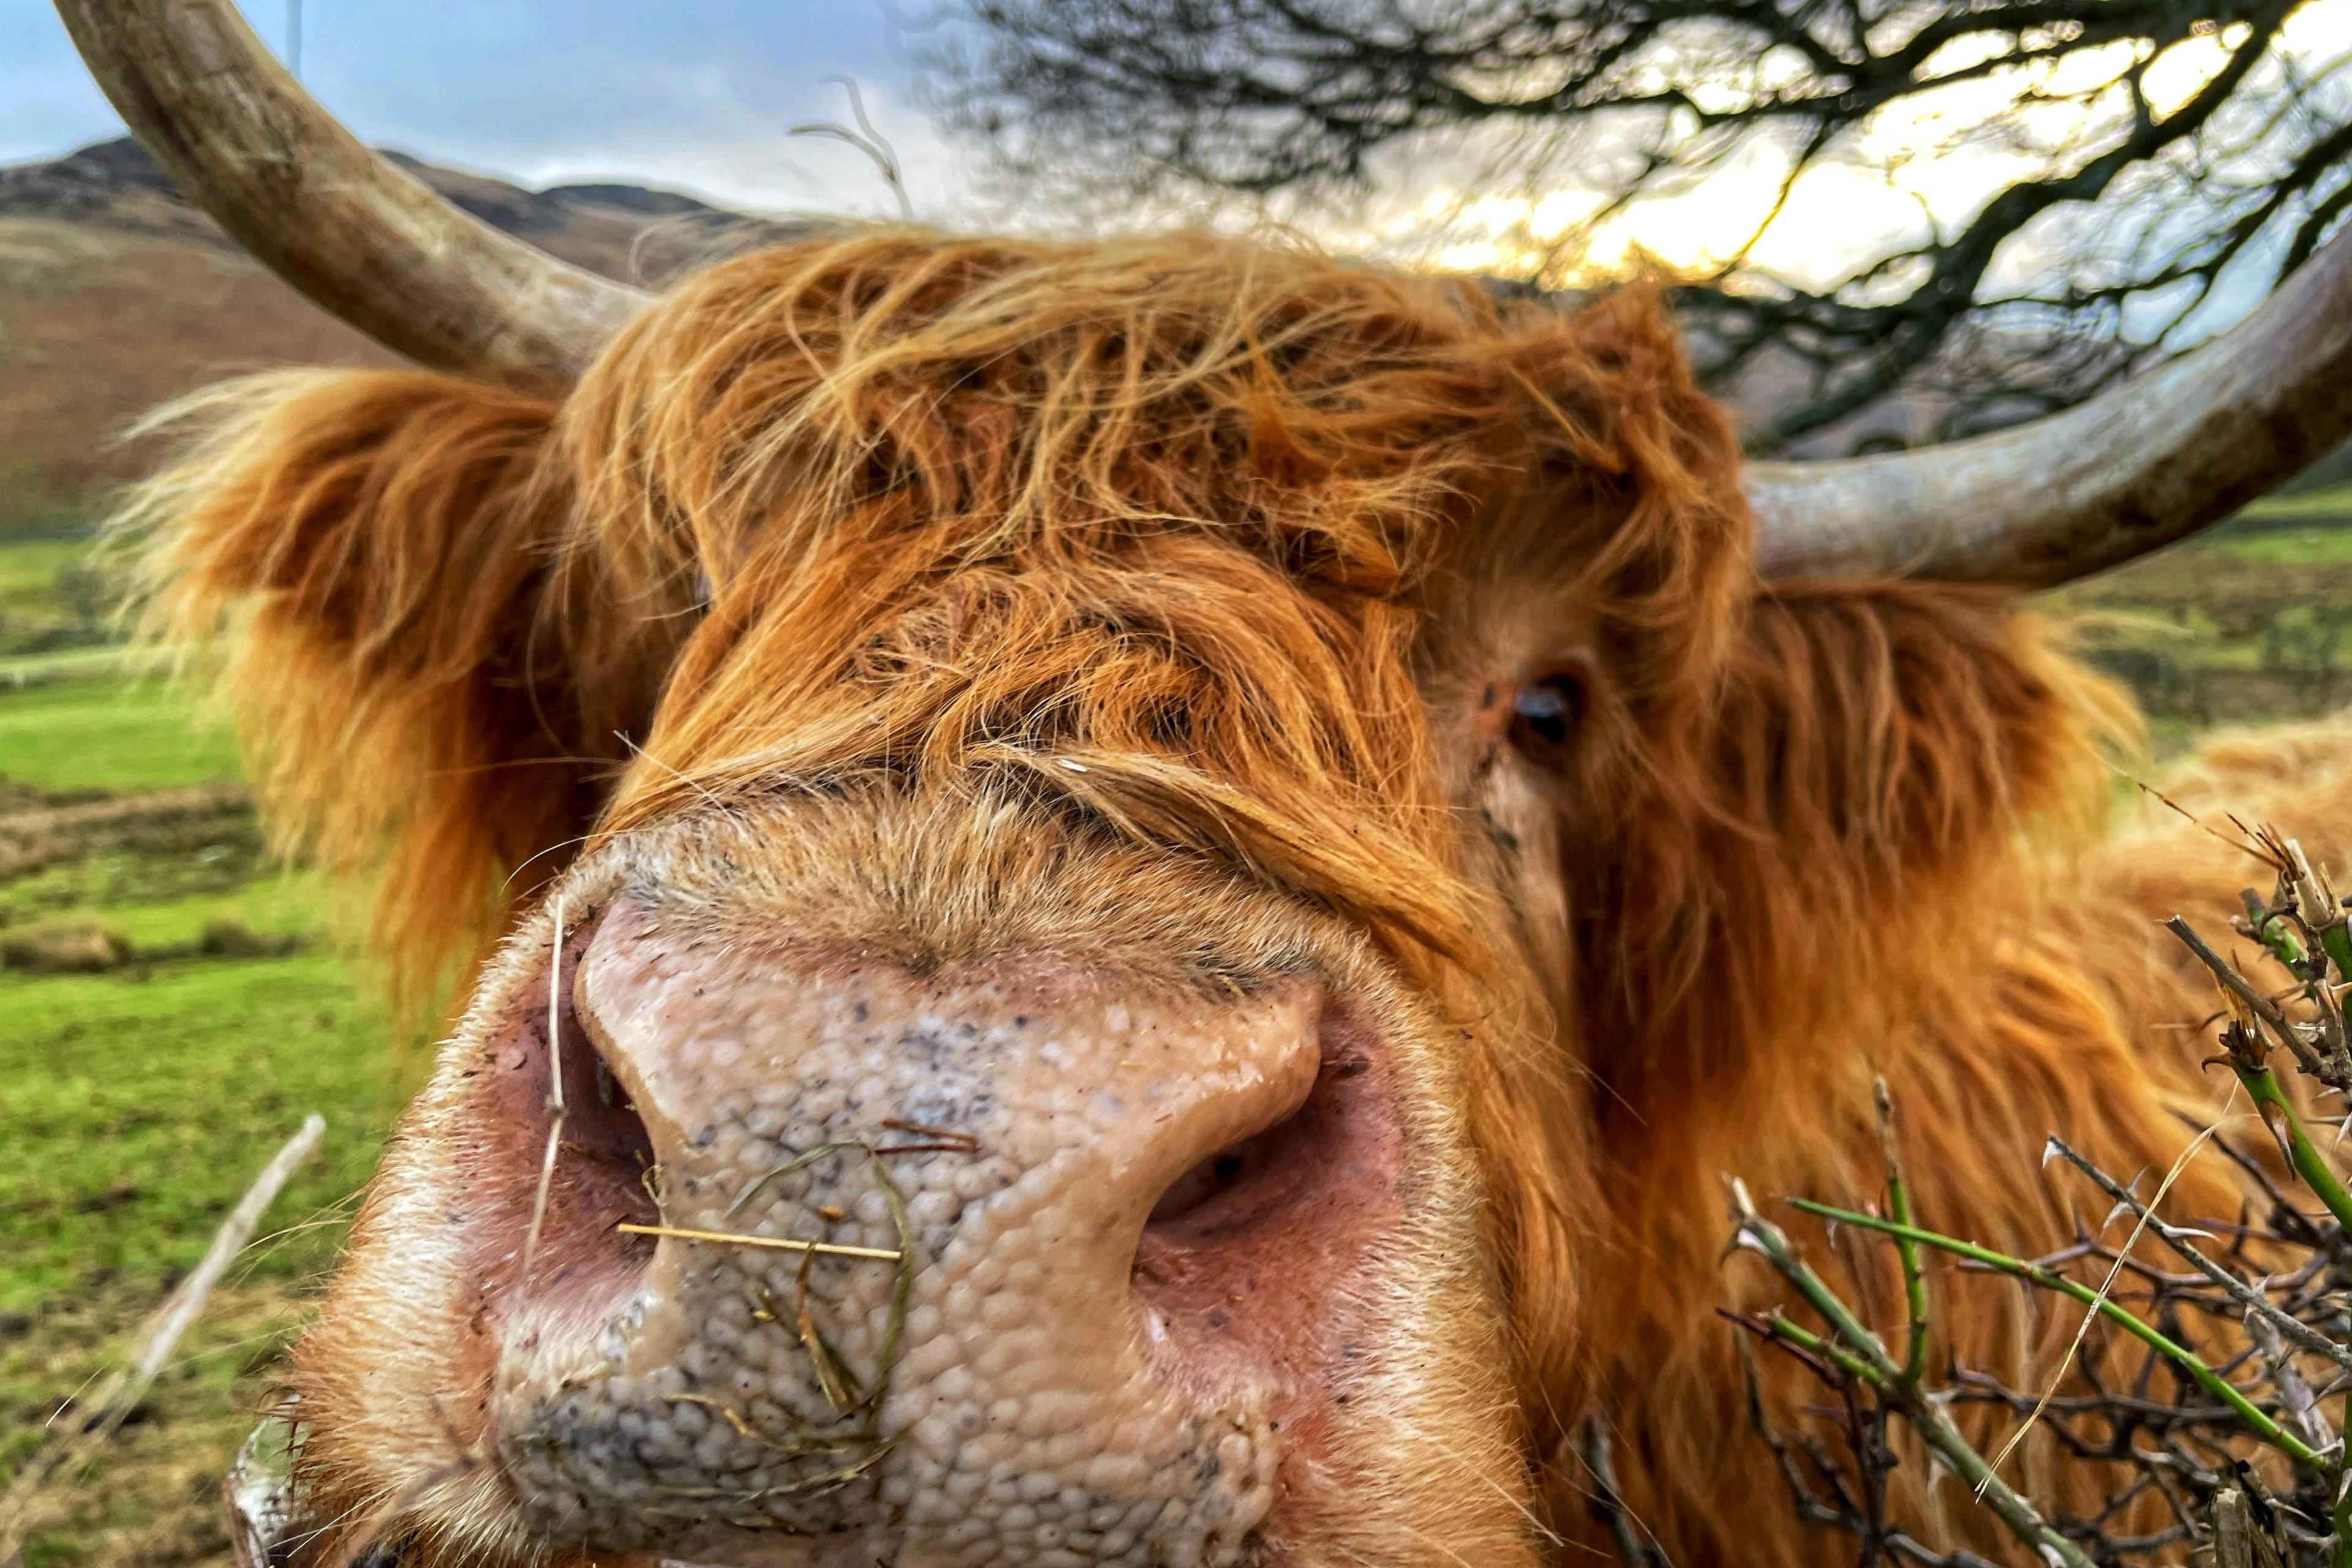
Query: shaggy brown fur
[{"x": 1251, "y": 537}]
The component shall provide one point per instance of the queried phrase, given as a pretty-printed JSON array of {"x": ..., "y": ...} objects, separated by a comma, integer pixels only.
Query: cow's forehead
[
  {"x": 1017, "y": 402},
  {"x": 1113, "y": 493}
]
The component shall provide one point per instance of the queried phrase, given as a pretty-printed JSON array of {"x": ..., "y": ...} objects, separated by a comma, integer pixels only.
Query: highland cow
[{"x": 1124, "y": 900}]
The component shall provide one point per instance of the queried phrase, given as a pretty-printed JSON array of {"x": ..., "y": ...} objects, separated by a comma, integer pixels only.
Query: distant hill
[{"x": 117, "y": 293}]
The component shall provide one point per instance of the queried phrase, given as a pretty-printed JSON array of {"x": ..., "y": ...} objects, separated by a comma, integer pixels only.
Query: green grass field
[
  {"x": 28, "y": 571},
  {"x": 128, "y": 735},
  {"x": 136, "y": 1103}
]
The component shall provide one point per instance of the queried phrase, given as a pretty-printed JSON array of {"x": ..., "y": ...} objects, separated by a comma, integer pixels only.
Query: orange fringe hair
[
  {"x": 943, "y": 503},
  {"x": 1177, "y": 510}
]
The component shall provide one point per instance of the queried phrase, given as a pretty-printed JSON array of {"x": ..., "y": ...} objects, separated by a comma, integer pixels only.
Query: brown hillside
[{"x": 116, "y": 294}]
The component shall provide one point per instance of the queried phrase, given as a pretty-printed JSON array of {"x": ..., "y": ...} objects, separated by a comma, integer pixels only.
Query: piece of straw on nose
[{"x": 779, "y": 1244}]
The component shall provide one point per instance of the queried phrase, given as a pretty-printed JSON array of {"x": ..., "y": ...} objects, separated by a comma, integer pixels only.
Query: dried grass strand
[{"x": 774, "y": 1243}]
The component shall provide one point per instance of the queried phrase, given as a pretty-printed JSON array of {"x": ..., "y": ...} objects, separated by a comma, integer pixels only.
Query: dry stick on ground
[{"x": 81, "y": 1431}]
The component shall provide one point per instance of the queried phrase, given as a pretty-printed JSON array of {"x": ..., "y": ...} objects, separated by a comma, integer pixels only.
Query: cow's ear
[
  {"x": 426, "y": 664},
  {"x": 1878, "y": 759}
]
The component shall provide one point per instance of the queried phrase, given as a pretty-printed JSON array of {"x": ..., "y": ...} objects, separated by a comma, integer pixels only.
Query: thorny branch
[{"x": 2187, "y": 1376}]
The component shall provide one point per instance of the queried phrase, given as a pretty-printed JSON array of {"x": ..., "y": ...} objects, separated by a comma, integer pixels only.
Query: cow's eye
[{"x": 1545, "y": 714}]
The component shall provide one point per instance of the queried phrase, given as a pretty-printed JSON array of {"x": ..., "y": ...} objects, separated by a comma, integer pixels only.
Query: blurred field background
[{"x": 172, "y": 1003}]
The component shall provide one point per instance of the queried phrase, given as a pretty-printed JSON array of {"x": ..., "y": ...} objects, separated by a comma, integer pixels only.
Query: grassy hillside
[
  {"x": 96, "y": 327},
  {"x": 2244, "y": 624}
]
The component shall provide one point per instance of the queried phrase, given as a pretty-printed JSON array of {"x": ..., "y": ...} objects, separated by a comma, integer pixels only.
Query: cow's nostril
[
  {"x": 583, "y": 1162},
  {"x": 1227, "y": 1186},
  {"x": 1242, "y": 1255},
  {"x": 601, "y": 1122},
  {"x": 1265, "y": 1181}
]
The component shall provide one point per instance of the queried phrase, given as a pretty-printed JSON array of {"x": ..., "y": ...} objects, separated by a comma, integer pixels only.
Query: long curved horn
[
  {"x": 2139, "y": 465},
  {"x": 344, "y": 225}
]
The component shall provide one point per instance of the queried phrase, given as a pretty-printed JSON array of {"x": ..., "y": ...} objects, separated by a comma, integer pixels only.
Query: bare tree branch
[{"x": 2170, "y": 157}]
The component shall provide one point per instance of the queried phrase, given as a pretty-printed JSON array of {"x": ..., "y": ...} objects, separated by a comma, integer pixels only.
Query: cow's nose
[{"x": 1025, "y": 1262}]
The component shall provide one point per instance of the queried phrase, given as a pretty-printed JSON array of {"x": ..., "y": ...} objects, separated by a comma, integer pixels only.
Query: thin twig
[
  {"x": 554, "y": 1095},
  {"x": 2246, "y": 993},
  {"x": 1906, "y": 1252},
  {"x": 1635, "y": 1547},
  {"x": 2255, "y": 1420},
  {"x": 867, "y": 140},
  {"x": 1925, "y": 1415},
  {"x": 2304, "y": 1336}
]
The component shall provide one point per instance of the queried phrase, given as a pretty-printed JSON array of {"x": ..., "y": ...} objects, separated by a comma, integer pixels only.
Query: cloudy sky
[{"x": 700, "y": 96}]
